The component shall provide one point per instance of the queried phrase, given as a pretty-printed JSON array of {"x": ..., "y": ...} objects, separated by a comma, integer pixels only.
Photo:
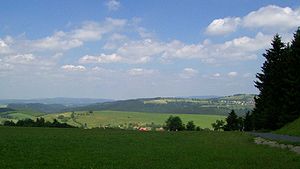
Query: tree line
[
  {"x": 174, "y": 123},
  {"x": 40, "y": 122}
]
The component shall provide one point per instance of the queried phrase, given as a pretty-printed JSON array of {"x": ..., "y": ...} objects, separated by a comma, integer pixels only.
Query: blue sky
[{"x": 123, "y": 49}]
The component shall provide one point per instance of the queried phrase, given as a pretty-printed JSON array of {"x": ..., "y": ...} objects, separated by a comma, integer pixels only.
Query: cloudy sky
[{"x": 123, "y": 49}]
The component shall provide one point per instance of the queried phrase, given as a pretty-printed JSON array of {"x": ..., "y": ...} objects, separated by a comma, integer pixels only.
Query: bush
[{"x": 174, "y": 123}]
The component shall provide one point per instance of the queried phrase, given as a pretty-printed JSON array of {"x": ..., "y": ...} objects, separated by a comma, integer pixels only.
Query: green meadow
[
  {"x": 116, "y": 118},
  {"x": 54, "y": 148},
  {"x": 292, "y": 128}
]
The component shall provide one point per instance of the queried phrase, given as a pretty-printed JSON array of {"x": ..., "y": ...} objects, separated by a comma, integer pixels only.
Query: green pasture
[
  {"x": 116, "y": 118},
  {"x": 54, "y": 148}
]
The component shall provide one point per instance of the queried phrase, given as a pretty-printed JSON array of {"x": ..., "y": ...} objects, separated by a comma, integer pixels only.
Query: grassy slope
[
  {"x": 115, "y": 118},
  {"x": 292, "y": 128},
  {"x": 75, "y": 148}
]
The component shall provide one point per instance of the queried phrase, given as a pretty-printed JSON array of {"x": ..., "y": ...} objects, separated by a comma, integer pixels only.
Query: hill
[
  {"x": 292, "y": 128},
  {"x": 37, "y": 107},
  {"x": 241, "y": 103}
]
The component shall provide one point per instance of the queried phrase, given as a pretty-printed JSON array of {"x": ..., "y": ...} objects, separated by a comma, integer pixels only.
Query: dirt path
[{"x": 278, "y": 137}]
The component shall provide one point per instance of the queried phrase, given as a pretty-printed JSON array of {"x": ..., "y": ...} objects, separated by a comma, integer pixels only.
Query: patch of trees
[
  {"x": 174, "y": 123},
  {"x": 278, "y": 102},
  {"x": 40, "y": 122},
  {"x": 231, "y": 123}
]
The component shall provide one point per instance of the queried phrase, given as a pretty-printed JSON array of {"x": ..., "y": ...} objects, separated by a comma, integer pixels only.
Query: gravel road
[{"x": 278, "y": 137}]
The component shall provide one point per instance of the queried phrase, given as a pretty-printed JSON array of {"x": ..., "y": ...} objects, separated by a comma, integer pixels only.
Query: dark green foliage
[
  {"x": 9, "y": 123},
  {"x": 248, "y": 122},
  {"x": 218, "y": 125},
  {"x": 40, "y": 122},
  {"x": 174, "y": 123},
  {"x": 198, "y": 128},
  {"x": 232, "y": 122},
  {"x": 5, "y": 109},
  {"x": 190, "y": 126},
  {"x": 278, "y": 102}
]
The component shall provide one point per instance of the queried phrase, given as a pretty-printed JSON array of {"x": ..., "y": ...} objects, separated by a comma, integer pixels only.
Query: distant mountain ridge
[{"x": 57, "y": 100}]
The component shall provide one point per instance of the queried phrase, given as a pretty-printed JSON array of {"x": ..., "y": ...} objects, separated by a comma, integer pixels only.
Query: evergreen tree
[
  {"x": 291, "y": 100},
  {"x": 248, "y": 122},
  {"x": 268, "y": 103},
  {"x": 232, "y": 122}
]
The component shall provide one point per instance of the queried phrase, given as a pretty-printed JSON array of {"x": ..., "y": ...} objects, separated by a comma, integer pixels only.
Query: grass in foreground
[
  {"x": 115, "y": 118},
  {"x": 292, "y": 128},
  {"x": 107, "y": 149}
]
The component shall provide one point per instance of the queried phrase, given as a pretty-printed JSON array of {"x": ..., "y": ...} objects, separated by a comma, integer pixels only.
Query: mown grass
[
  {"x": 51, "y": 148},
  {"x": 292, "y": 128},
  {"x": 115, "y": 118}
]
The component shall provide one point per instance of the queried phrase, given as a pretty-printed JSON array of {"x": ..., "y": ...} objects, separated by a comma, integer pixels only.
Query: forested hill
[{"x": 241, "y": 103}]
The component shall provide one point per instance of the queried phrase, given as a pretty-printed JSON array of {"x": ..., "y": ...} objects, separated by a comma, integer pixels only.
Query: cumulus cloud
[
  {"x": 188, "y": 73},
  {"x": 223, "y": 26},
  {"x": 4, "y": 47},
  {"x": 113, "y": 5},
  {"x": 103, "y": 58},
  {"x": 273, "y": 16},
  {"x": 140, "y": 51},
  {"x": 232, "y": 74},
  {"x": 88, "y": 31},
  {"x": 140, "y": 71},
  {"x": 20, "y": 59},
  {"x": 146, "y": 50},
  {"x": 216, "y": 75},
  {"x": 270, "y": 17},
  {"x": 72, "y": 68}
]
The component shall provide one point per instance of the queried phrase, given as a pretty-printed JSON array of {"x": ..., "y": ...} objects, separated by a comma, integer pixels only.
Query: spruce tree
[
  {"x": 232, "y": 122},
  {"x": 267, "y": 103},
  {"x": 291, "y": 102}
]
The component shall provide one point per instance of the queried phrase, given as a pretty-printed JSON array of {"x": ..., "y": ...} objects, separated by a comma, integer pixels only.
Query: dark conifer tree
[
  {"x": 291, "y": 99},
  {"x": 267, "y": 103},
  {"x": 232, "y": 122}
]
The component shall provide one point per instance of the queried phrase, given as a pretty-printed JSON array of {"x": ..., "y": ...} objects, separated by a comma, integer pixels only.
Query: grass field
[
  {"x": 292, "y": 128},
  {"x": 36, "y": 148},
  {"x": 115, "y": 118}
]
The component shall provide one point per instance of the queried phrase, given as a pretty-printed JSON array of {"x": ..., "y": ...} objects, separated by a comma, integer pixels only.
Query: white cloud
[
  {"x": 113, "y": 5},
  {"x": 177, "y": 49},
  {"x": 58, "y": 41},
  {"x": 140, "y": 51},
  {"x": 103, "y": 58},
  {"x": 223, "y": 26},
  {"x": 140, "y": 71},
  {"x": 216, "y": 75},
  {"x": 145, "y": 50},
  {"x": 271, "y": 18},
  {"x": 71, "y": 68},
  {"x": 188, "y": 73},
  {"x": 20, "y": 59},
  {"x": 88, "y": 31},
  {"x": 232, "y": 74},
  {"x": 4, "y": 48}
]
